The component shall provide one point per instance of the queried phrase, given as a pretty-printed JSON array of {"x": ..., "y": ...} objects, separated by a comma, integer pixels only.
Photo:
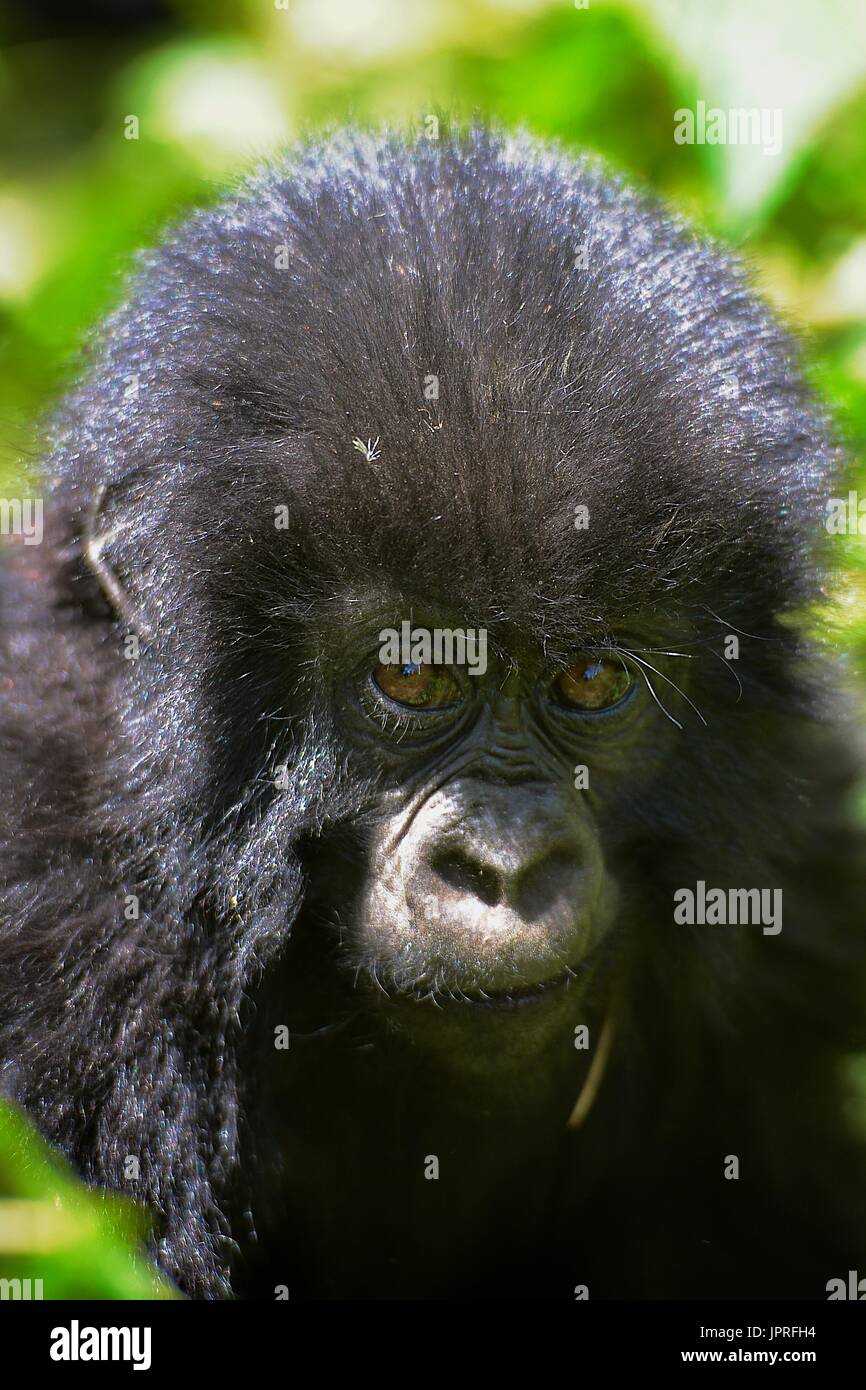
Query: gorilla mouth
[
  {"x": 512, "y": 996},
  {"x": 517, "y": 996},
  {"x": 453, "y": 997}
]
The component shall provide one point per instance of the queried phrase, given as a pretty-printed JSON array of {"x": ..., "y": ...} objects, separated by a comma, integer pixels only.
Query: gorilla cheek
[{"x": 487, "y": 890}]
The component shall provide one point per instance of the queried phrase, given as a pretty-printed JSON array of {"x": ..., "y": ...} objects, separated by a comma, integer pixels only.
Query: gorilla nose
[
  {"x": 531, "y": 882},
  {"x": 486, "y": 887},
  {"x": 509, "y": 882}
]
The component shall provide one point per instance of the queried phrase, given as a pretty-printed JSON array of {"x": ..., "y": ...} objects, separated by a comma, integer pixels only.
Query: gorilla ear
[{"x": 107, "y": 521}]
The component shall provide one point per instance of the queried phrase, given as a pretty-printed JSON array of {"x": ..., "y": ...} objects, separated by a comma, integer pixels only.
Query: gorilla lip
[{"x": 516, "y": 996}]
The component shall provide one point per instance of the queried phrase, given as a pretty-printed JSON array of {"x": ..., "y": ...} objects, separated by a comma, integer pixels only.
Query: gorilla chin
[{"x": 498, "y": 1036}]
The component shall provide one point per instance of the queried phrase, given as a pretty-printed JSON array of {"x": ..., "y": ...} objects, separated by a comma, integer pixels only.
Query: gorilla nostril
[
  {"x": 545, "y": 883},
  {"x": 467, "y": 875}
]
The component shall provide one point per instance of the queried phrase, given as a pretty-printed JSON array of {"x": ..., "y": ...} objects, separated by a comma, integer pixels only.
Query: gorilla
[{"x": 428, "y": 864}]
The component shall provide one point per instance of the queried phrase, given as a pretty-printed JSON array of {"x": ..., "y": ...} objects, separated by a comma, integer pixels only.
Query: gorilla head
[{"x": 413, "y": 633}]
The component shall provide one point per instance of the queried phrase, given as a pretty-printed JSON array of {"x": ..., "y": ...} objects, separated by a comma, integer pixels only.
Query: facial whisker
[
  {"x": 660, "y": 651},
  {"x": 739, "y": 631},
  {"x": 730, "y": 668},
  {"x": 671, "y": 683},
  {"x": 651, "y": 689}
]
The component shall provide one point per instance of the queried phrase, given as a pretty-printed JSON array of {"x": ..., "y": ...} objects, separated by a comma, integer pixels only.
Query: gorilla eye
[
  {"x": 420, "y": 686},
  {"x": 592, "y": 683}
]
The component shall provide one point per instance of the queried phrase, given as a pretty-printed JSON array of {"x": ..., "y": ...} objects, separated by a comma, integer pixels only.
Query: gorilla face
[
  {"x": 492, "y": 882},
  {"x": 477, "y": 893}
]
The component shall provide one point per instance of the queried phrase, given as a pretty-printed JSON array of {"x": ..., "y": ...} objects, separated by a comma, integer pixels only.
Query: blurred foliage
[
  {"x": 77, "y": 1243},
  {"x": 216, "y": 83}
]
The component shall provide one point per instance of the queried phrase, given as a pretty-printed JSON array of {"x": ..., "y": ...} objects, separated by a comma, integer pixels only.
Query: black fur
[{"x": 648, "y": 385}]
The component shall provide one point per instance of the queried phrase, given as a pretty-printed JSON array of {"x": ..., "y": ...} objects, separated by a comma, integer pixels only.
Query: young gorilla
[{"x": 474, "y": 385}]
